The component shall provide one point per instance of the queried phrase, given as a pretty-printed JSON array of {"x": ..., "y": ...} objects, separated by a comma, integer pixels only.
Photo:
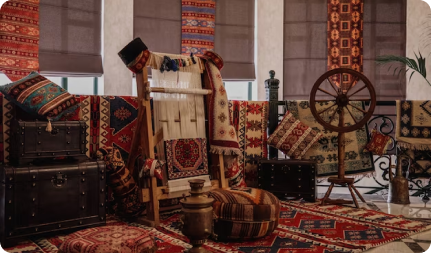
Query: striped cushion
[
  {"x": 244, "y": 213},
  {"x": 239, "y": 230},
  {"x": 37, "y": 95}
]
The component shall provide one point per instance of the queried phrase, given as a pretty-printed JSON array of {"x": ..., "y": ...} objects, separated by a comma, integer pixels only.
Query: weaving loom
[
  {"x": 179, "y": 116},
  {"x": 179, "y": 122}
]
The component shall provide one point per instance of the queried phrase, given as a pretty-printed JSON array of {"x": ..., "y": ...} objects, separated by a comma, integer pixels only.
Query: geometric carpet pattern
[{"x": 303, "y": 227}]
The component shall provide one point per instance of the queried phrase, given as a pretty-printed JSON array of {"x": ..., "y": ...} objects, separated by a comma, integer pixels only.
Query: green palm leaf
[{"x": 415, "y": 65}]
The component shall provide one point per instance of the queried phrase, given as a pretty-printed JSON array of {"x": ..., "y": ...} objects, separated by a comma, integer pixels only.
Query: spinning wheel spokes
[
  {"x": 325, "y": 112},
  {"x": 342, "y": 103}
]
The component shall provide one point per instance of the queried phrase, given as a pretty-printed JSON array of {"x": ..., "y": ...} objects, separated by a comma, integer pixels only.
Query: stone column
[
  {"x": 118, "y": 31},
  {"x": 418, "y": 38},
  {"x": 270, "y": 33}
]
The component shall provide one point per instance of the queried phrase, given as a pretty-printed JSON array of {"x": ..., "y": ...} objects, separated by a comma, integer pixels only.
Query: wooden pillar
[{"x": 271, "y": 86}]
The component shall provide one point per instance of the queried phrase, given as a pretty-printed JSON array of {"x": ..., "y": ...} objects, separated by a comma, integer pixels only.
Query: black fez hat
[{"x": 134, "y": 53}]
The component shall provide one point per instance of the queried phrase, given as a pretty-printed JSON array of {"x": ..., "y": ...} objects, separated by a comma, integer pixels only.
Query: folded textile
[
  {"x": 223, "y": 139},
  {"x": 414, "y": 125},
  {"x": 325, "y": 151}
]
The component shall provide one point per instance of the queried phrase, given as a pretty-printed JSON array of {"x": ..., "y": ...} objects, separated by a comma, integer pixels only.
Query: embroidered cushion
[
  {"x": 244, "y": 213},
  {"x": 109, "y": 239},
  {"x": 379, "y": 143},
  {"x": 36, "y": 94},
  {"x": 124, "y": 187},
  {"x": 292, "y": 137}
]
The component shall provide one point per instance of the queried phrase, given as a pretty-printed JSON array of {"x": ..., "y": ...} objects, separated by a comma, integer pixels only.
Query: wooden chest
[
  {"x": 292, "y": 179},
  {"x": 38, "y": 199},
  {"x": 30, "y": 141}
]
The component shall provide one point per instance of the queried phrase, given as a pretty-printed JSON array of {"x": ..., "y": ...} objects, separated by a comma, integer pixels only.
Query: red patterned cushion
[
  {"x": 292, "y": 137},
  {"x": 379, "y": 143},
  {"x": 109, "y": 239},
  {"x": 244, "y": 213}
]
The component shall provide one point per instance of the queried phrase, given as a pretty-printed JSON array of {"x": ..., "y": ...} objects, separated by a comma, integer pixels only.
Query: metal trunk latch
[{"x": 59, "y": 180}]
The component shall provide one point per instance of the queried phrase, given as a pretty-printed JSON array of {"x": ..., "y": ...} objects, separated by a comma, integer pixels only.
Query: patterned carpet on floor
[{"x": 304, "y": 227}]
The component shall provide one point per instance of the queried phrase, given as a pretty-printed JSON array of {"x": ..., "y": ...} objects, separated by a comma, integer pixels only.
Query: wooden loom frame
[{"x": 146, "y": 140}]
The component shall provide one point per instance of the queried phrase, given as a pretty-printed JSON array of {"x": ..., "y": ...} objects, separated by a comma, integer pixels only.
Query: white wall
[
  {"x": 418, "y": 25},
  {"x": 118, "y": 31},
  {"x": 270, "y": 27}
]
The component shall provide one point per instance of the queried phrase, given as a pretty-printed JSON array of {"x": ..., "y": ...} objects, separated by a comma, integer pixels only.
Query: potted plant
[{"x": 412, "y": 65}]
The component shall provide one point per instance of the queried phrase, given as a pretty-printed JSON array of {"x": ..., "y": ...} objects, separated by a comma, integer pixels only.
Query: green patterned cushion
[
  {"x": 36, "y": 94},
  {"x": 244, "y": 213}
]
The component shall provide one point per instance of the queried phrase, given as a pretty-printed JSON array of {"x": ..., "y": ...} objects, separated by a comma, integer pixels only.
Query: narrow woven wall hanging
[
  {"x": 345, "y": 36},
  {"x": 198, "y": 23}
]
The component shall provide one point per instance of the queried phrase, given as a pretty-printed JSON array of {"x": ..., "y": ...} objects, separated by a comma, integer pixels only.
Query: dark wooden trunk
[
  {"x": 30, "y": 141},
  {"x": 40, "y": 199},
  {"x": 293, "y": 179}
]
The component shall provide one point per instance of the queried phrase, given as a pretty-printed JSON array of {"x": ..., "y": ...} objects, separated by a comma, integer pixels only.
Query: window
[{"x": 239, "y": 90}]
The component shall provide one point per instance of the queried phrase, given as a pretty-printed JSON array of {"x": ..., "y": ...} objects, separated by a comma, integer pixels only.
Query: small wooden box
[{"x": 292, "y": 179}]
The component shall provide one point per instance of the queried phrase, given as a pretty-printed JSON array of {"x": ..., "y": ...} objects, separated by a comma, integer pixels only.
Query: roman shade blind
[
  {"x": 305, "y": 51},
  {"x": 70, "y": 38},
  {"x": 385, "y": 34},
  {"x": 234, "y": 38},
  {"x": 158, "y": 24}
]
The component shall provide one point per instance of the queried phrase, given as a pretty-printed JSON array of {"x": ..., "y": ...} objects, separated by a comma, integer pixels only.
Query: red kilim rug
[
  {"x": 304, "y": 228},
  {"x": 19, "y": 38}
]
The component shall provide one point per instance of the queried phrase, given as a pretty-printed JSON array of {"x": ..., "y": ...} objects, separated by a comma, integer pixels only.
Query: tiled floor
[{"x": 417, "y": 209}]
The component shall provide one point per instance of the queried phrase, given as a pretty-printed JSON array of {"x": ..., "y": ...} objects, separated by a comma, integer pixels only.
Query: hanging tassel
[{"x": 49, "y": 126}]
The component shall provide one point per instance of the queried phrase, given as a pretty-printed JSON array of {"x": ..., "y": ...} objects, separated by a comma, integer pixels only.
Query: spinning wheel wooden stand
[{"x": 342, "y": 97}]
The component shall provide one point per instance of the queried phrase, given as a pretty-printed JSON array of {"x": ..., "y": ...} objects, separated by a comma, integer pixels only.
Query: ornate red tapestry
[
  {"x": 19, "y": 38},
  {"x": 345, "y": 36},
  {"x": 303, "y": 228},
  {"x": 186, "y": 157},
  {"x": 198, "y": 23},
  {"x": 250, "y": 120}
]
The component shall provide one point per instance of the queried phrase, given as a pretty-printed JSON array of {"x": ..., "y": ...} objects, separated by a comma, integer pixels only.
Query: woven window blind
[
  {"x": 158, "y": 24},
  {"x": 234, "y": 38},
  {"x": 70, "y": 38},
  {"x": 305, "y": 53},
  {"x": 385, "y": 34}
]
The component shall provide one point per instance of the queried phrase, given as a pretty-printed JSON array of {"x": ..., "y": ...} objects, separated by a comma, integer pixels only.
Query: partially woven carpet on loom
[
  {"x": 19, "y": 37},
  {"x": 250, "y": 120},
  {"x": 325, "y": 151},
  {"x": 304, "y": 227},
  {"x": 186, "y": 157},
  {"x": 198, "y": 25}
]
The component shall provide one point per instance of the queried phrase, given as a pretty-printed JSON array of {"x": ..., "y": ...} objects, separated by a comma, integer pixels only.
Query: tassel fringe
[
  {"x": 48, "y": 126},
  {"x": 225, "y": 150},
  {"x": 420, "y": 147}
]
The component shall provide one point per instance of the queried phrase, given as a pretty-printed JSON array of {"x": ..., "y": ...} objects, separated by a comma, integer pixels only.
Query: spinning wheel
[{"x": 344, "y": 83}]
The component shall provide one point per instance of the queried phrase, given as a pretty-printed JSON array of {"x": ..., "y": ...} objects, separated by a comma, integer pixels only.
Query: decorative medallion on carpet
[
  {"x": 325, "y": 151},
  {"x": 250, "y": 120},
  {"x": 186, "y": 157},
  {"x": 414, "y": 125},
  {"x": 198, "y": 23},
  {"x": 19, "y": 37},
  {"x": 303, "y": 228},
  {"x": 345, "y": 36}
]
